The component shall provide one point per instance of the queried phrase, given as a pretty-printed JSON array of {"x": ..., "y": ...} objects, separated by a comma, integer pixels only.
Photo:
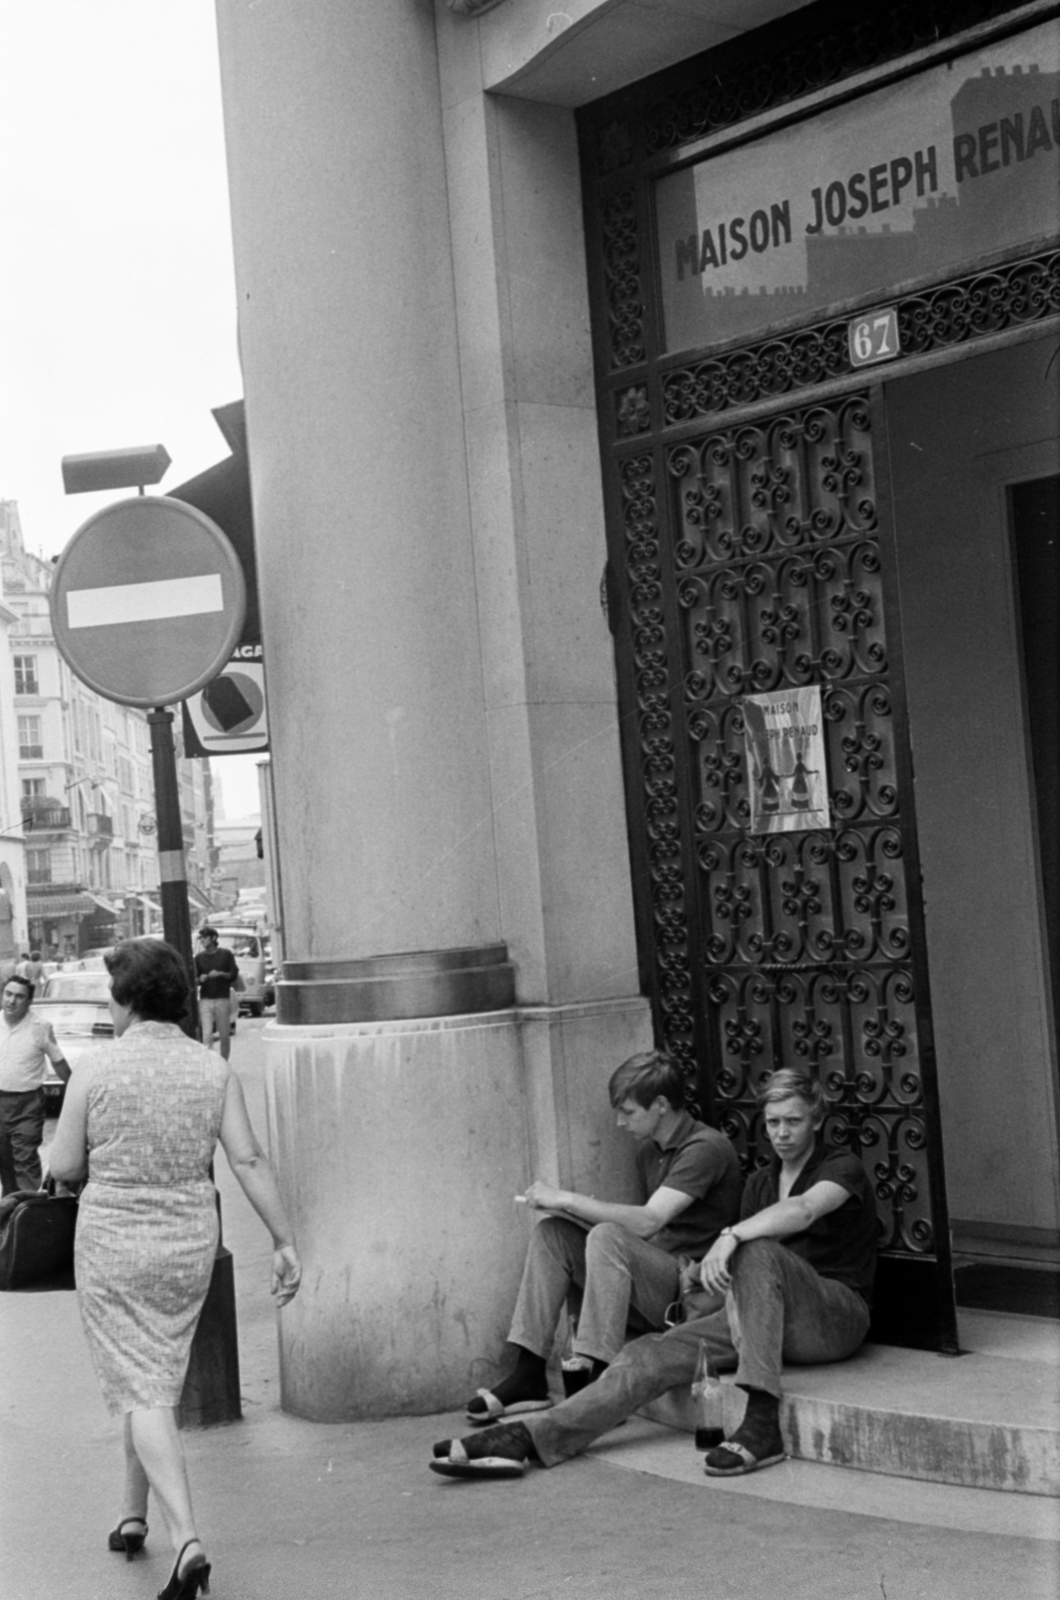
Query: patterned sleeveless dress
[{"x": 147, "y": 1222}]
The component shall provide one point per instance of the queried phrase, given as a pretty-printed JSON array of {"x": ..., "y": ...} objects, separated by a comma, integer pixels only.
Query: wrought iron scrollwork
[
  {"x": 622, "y": 268},
  {"x": 759, "y": 81},
  {"x": 802, "y": 938},
  {"x": 658, "y": 757},
  {"x": 987, "y": 302},
  {"x": 952, "y": 313}
]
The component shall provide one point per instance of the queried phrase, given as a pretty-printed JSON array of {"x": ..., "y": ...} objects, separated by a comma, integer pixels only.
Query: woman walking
[{"x": 142, "y": 1117}]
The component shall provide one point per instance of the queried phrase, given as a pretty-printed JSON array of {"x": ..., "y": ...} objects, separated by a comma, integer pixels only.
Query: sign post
[{"x": 147, "y": 605}]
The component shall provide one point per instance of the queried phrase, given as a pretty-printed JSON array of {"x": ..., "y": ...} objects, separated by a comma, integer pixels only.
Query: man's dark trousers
[{"x": 21, "y": 1131}]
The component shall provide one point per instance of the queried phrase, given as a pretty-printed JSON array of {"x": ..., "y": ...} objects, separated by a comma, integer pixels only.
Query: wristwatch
[{"x": 729, "y": 1233}]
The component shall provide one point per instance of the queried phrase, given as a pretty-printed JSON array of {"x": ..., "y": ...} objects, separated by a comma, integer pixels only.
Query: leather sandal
[{"x": 492, "y": 1409}]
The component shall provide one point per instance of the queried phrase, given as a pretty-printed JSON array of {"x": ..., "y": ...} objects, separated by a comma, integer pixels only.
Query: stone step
[{"x": 987, "y": 1419}]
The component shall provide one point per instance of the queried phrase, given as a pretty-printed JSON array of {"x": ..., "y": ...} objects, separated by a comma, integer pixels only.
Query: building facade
[
  {"x": 85, "y": 785},
  {"x": 666, "y": 400}
]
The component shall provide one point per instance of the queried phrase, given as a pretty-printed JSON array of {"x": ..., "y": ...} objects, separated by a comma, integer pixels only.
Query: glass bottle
[
  {"x": 576, "y": 1371},
  {"x": 707, "y": 1402}
]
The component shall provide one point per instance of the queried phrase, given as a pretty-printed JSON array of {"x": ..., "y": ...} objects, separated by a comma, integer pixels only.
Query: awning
[
  {"x": 104, "y": 905},
  {"x": 197, "y": 898},
  {"x": 51, "y": 906},
  {"x": 152, "y": 905}
]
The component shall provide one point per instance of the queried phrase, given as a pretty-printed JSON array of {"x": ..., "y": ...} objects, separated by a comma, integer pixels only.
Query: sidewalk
[{"x": 350, "y": 1511}]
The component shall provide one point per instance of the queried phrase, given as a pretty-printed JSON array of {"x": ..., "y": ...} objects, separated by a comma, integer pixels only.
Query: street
[{"x": 350, "y": 1512}]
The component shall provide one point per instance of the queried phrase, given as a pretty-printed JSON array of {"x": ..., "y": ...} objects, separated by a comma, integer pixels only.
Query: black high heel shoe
[
  {"x": 130, "y": 1543},
  {"x": 186, "y": 1585}
]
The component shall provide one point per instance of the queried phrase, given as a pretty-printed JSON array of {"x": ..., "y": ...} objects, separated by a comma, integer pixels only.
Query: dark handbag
[{"x": 37, "y": 1238}]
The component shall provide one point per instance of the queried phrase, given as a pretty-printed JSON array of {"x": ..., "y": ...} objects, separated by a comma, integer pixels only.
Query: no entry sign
[{"x": 147, "y": 601}]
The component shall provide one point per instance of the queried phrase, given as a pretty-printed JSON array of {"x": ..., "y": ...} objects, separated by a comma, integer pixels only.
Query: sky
[{"x": 117, "y": 292}]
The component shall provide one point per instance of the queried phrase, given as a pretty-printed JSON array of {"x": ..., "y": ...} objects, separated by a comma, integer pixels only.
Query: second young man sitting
[{"x": 624, "y": 1258}]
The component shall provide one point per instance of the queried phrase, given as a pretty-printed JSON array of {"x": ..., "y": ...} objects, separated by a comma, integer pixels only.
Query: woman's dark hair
[{"x": 149, "y": 977}]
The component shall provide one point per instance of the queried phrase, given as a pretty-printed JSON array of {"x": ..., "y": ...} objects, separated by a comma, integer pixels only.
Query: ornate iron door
[{"x": 753, "y": 561}]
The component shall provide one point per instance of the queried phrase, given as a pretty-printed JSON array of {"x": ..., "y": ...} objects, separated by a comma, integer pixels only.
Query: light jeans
[
  {"x": 624, "y": 1280},
  {"x": 215, "y": 1017},
  {"x": 778, "y": 1309}
]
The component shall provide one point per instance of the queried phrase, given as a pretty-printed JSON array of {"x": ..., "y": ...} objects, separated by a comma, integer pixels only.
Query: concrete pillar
[
  {"x": 348, "y": 341},
  {"x": 445, "y": 767}
]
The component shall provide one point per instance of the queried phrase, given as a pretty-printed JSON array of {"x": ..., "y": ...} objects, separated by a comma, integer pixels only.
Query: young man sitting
[
  {"x": 625, "y": 1259},
  {"x": 796, "y": 1271}
]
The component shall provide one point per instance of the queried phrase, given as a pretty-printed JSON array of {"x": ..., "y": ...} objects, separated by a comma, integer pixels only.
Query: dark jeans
[
  {"x": 778, "y": 1309},
  {"x": 21, "y": 1131}
]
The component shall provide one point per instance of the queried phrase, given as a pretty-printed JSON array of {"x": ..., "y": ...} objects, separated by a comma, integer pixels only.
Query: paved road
[{"x": 349, "y": 1511}]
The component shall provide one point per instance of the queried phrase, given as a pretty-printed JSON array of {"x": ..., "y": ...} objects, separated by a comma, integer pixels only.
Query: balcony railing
[{"x": 45, "y": 819}]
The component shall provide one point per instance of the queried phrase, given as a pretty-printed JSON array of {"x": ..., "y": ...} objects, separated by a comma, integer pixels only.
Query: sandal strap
[{"x": 494, "y": 1407}]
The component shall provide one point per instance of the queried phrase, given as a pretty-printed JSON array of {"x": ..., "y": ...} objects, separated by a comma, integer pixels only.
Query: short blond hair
[{"x": 787, "y": 1083}]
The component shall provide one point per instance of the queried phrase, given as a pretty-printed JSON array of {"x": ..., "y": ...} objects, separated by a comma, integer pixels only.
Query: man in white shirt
[{"x": 26, "y": 1043}]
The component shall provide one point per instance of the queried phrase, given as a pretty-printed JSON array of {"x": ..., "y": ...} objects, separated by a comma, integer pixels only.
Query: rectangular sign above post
[
  {"x": 228, "y": 717},
  {"x": 921, "y": 178},
  {"x": 787, "y": 780}
]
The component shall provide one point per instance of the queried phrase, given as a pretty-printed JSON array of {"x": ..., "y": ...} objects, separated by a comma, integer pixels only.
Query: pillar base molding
[{"x": 415, "y": 983}]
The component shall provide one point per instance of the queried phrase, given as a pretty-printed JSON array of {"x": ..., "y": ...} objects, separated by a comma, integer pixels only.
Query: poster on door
[{"x": 787, "y": 781}]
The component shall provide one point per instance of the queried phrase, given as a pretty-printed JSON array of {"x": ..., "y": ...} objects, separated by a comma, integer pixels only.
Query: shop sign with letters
[
  {"x": 787, "y": 781},
  {"x": 924, "y": 177}
]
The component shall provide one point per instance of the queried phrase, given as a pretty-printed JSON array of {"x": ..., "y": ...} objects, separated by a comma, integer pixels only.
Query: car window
[
  {"x": 240, "y": 944},
  {"x": 77, "y": 986}
]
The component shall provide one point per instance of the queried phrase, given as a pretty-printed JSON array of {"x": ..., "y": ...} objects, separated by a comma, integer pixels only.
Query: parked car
[{"x": 77, "y": 1006}]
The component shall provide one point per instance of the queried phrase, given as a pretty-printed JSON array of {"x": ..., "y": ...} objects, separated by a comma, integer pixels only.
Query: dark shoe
[
  {"x": 499, "y": 1452},
  {"x": 118, "y": 1540},
  {"x": 749, "y": 1449},
  {"x": 185, "y": 1585}
]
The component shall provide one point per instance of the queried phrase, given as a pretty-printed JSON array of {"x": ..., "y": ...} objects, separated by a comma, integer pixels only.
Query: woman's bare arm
[{"x": 256, "y": 1178}]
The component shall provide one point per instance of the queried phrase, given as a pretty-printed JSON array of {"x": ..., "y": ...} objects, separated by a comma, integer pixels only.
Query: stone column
[
  {"x": 389, "y": 1136},
  {"x": 444, "y": 747}
]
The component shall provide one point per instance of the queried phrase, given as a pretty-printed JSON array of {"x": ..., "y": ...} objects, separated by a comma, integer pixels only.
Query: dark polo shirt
[
  {"x": 697, "y": 1161},
  {"x": 841, "y": 1245}
]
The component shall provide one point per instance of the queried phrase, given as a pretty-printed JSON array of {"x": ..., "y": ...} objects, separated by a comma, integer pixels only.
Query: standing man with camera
[{"x": 216, "y": 974}]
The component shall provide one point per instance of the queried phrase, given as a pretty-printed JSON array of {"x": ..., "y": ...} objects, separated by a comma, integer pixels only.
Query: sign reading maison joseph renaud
[{"x": 904, "y": 184}]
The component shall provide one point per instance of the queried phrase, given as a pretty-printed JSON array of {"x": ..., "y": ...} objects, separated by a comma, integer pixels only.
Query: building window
[
  {"x": 33, "y": 788},
  {"x": 30, "y": 747},
  {"x": 39, "y": 866},
  {"x": 26, "y": 675}
]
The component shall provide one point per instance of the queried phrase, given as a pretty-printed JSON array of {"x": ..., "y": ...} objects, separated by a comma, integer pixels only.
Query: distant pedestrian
[
  {"x": 26, "y": 1045},
  {"x": 31, "y": 967},
  {"x": 142, "y": 1119},
  {"x": 217, "y": 975}
]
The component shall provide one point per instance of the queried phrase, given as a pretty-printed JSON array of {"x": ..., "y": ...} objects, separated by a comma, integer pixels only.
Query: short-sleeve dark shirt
[
  {"x": 697, "y": 1161},
  {"x": 841, "y": 1245},
  {"x": 216, "y": 971}
]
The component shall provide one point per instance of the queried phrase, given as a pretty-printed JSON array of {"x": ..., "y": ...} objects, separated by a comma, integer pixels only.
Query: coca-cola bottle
[{"x": 707, "y": 1400}]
